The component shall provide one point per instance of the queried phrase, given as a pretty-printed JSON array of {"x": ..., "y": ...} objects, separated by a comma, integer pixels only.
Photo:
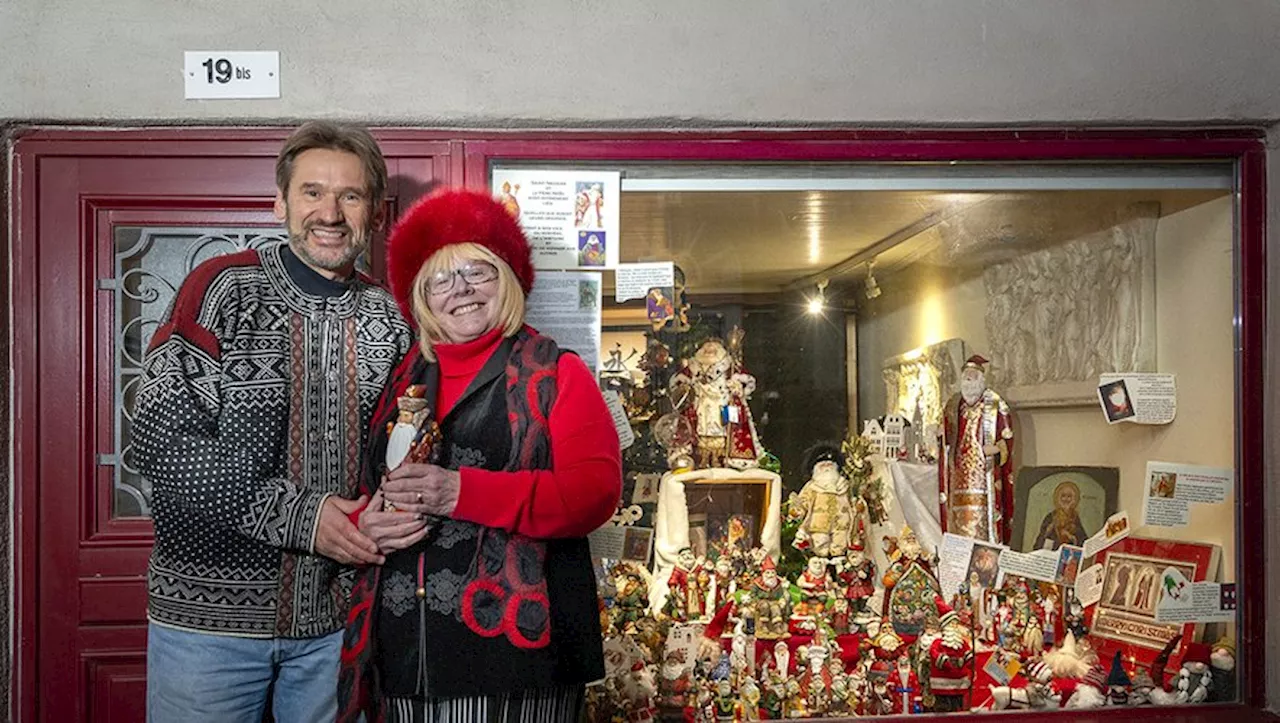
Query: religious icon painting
[{"x": 1055, "y": 506}]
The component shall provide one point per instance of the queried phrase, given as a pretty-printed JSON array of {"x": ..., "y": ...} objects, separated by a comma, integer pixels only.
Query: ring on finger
[{"x": 419, "y": 498}]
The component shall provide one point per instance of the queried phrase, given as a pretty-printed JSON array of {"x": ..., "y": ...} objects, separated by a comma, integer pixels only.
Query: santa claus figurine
[
  {"x": 823, "y": 506},
  {"x": 904, "y": 686},
  {"x": 711, "y": 392},
  {"x": 815, "y": 589},
  {"x": 950, "y": 662},
  {"x": 858, "y": 575},
  {"x": 976, "y": 464},
  {"x": 770, "y": 593},
  {"x": 685, "y": 598}
]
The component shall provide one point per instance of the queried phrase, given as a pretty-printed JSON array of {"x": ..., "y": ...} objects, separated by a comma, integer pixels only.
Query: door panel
[{"x": 111, "y": 240}]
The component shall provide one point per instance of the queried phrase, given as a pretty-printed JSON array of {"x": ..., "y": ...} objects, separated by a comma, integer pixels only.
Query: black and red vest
[{"x": 501, "y": 611}]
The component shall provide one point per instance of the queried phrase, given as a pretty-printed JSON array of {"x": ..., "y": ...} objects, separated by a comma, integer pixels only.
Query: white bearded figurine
[
  {"x": 1066, "y": 677},
  {"x": 1222, "y": 662},
  {"x": 711, "y": 392},
  {"x": 823, "y": 506},
  {"x": 1192, "y": 682}
]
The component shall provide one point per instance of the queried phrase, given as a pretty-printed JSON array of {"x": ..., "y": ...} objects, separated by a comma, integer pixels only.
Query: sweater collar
[
  {"x": 465, "y": 359},
  {"x": 305, "y": 291}
]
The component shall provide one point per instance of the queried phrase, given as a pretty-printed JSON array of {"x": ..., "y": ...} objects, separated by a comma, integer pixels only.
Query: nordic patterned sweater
[{"x": 254, "y": 408}]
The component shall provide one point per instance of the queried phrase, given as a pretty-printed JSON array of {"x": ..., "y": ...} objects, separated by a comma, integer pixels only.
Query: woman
[{"x": 486, "y": 605}]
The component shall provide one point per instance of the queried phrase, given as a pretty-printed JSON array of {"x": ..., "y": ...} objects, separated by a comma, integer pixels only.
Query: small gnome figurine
[
  {"x": 1191, "y": 685},
  {"x": 1222, "y": 666},
  {"x": 1118, "y": 683},
  {"x": 771, "y": 594},
  {"x": 1142, "y": 687}
]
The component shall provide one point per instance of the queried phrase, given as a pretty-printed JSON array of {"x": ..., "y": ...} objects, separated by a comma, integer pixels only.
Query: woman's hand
[
  {"x": 424, "y": 489},
  {"x": 391, "y": 530}
]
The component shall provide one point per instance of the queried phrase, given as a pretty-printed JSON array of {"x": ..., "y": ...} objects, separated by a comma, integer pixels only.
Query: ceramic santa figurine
[
  {"x": 879, "y": 698},
  {"x": 824, "y": 508},
  {"x": 711, "y": 392},
  {"x": 1049, "y": 618},
  {"x": 815, "y": 589},
  {"x": 976, "y": 460},
  {"x": 774, "y": 696},
  {"x": 748, "y": 700},
  {"x": 950, "y": 662},
  {"x": 904, "y": 686},
  {"x": 685, "y": 598},
  {"x": 771, "y": 598},
  {"x": 723, "y": 583},
  {"x": 858, "y": 575}
]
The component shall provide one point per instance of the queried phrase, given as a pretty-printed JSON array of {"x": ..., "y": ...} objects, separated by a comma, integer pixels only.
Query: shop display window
[{"x": 912, "y": 437}]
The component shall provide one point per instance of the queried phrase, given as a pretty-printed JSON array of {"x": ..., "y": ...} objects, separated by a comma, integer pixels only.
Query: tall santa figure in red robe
[{"x": 976, "y": 464}]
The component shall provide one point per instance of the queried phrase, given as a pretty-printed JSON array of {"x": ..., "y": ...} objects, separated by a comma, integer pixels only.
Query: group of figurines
[{"x": 736, "y": 640}]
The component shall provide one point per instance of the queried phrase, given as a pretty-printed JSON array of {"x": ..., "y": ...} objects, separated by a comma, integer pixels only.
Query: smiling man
[{"x": 256, "y": 398}]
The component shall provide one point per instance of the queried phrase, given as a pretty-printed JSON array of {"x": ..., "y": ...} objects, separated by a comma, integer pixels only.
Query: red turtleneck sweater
[{"x": 580, "y": 492}]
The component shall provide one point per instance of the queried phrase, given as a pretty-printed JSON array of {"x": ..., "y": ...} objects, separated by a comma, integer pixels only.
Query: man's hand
[
  {"x": 338, "y": 539},
  {"x": 391, "y": 530},
  {"x": 423, "y": 488}
]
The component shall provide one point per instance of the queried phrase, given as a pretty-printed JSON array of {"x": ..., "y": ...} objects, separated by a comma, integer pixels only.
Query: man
[
  {"x": 976, "y": 467},
  {"x": 255, "y": 402}
]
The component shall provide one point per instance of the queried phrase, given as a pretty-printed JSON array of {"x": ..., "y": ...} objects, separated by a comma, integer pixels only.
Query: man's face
[
  {"x": 686, "y": 559},
  {"x": 770, "y": 578},
  {"x": 327, "y": 210},
  {"x": 972, "y": 384}
]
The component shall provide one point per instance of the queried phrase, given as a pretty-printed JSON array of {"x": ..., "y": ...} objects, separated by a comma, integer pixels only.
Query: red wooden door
[{"x": 108, "y": 225}]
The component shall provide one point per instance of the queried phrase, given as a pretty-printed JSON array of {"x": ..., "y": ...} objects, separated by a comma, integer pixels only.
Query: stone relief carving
[
  {"x": 917, "y": 384},
  {"x": 1067, "y": 313}
]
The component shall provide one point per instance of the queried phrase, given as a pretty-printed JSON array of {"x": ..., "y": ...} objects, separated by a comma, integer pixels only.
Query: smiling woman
[{"x": 526, "y": 464}]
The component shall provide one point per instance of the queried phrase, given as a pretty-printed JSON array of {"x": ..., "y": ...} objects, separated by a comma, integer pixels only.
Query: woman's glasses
[{"x": 474, "y": 273}]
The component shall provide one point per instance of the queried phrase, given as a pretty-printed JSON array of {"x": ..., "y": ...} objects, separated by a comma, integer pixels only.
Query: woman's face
[{"x": 466, "y": 311}]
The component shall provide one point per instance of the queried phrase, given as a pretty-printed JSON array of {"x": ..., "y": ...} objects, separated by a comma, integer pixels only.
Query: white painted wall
[{"x": 661, "y": 62}]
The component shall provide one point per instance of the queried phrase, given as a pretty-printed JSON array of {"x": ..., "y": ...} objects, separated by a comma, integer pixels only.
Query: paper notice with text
[
  {"x": 1171, "y": 488},
  {"x": 565, "y": 305},
  {"x": 1183, "y": 601},
  {"x": 1115, "y": 529},
  {"x": 634, "y": 281},
  {"x": 1037, "y": 565},
  {"x": 570, "y": 217},
  {"x": 1089, "y": 585},
  {"x": 1138, "y": 398}
]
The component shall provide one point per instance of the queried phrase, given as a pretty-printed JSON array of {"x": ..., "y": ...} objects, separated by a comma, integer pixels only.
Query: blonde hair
[{"x": 510, "y": 296}]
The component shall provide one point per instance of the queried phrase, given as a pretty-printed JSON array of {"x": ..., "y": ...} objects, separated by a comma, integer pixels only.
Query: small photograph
[
  {"x": 588, "y": 205},
  {"x": 1068, "y": 565},
  {"x": 636, "y": 544},
  {"x": 1146, "y": 590},
  {"x": 1164, "y": 484},
  {"x": 985, "y": 562},
  {"x": 646, "y": 489},
  {"x": 591, "y": 248},
  {"x": 588, "y": 293},
  {"x": 730, "y": 531},
  {"x": 1115, "y": 400},
  {"x": 658, "y": 306},
  {"x": 508, "y": 199}
]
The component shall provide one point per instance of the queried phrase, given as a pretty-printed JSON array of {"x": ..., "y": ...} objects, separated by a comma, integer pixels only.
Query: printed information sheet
[
  {"x": 1138, "y": 398},
  {"x": 1171, "y": 488},
  {"x": 570, "y": 217},
  {"x": 565, "y": 305}
]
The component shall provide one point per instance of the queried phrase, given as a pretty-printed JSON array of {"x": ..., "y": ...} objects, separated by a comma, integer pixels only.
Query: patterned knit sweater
[{"x": 254, "y": 408}]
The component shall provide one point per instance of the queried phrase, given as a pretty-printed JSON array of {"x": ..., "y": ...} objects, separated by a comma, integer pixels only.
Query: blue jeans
[{"x": 196, "y": 678}]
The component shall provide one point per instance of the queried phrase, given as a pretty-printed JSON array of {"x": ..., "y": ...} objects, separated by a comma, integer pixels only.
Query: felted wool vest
[{"x": 500, "y": 612}]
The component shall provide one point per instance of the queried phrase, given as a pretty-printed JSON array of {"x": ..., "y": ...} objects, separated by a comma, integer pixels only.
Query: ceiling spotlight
[
  {"x": 818, "y": 301},
  {"x": 870, "y": 287}
]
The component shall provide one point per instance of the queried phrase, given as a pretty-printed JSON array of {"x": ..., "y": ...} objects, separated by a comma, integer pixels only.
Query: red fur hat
[{"x": 447, "y": 217}]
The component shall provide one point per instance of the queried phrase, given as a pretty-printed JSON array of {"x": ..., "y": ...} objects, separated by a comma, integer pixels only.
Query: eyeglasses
[{"x": 474, "y": 273}]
